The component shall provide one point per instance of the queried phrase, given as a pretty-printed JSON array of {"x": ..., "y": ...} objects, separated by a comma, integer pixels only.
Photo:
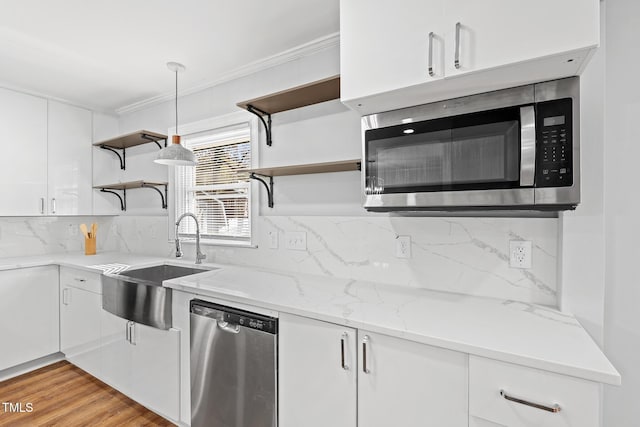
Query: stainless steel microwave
[{"x": 516, "y": 148}]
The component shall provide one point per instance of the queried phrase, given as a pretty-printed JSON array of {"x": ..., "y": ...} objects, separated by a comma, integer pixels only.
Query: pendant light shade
[{"x": 175, "y": 154}]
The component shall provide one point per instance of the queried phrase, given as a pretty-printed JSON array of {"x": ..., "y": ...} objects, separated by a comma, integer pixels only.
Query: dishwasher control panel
[{"x": 234, "y": 316}]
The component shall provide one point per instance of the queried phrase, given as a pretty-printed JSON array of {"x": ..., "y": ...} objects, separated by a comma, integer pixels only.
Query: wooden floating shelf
[
  {"x": 339, "y": 166},
  {"x": 128, "y": 185},
  {"x": 132, "y": 139},
  {"x": 124, "y": 186},
  {"x": 296, "y": 97}
]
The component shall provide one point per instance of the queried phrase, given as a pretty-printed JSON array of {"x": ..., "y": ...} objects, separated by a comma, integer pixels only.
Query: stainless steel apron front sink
[{"x": 138, "y": 294}]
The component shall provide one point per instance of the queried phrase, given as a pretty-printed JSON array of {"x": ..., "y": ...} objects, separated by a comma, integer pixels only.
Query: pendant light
[{"x": 175, "y": 154}]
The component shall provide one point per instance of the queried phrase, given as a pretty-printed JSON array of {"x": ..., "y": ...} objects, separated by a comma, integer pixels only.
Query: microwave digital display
[{"x": 553, "y": 121}]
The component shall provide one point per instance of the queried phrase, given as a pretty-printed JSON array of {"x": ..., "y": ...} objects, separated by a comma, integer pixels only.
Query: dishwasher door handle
[{"x": 229, "y": 327}]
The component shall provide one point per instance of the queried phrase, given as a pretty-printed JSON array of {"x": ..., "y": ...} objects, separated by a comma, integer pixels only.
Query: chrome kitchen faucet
[{"x": 199, "y": 255}]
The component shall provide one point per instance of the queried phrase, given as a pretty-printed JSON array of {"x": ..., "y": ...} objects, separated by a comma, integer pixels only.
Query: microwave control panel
[{"x": 554, "y": 148}]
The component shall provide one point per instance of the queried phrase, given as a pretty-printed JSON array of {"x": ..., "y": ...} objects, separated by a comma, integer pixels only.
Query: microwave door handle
[{"x": 527, "y": 146}]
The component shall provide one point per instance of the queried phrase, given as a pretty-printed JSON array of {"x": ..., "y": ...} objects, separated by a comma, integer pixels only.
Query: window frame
[{"x": 218, "y": 122}]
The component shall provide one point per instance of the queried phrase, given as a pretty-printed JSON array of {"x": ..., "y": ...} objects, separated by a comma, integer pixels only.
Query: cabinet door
[
  {"x": 80, "y": 328},
  {"x": 116, "y": 355},
  {"x": 156, "y": 369},
  {"x": 494, "y": 33},
  {"x": 23, "y": 164},
  {"x": 28, "y": 314},
  {"x": 403, "y": 383},
  {"x": 317, "y": 384},
  {"x": 385, "y": 46},
  {"x": 69, "y": 158}
]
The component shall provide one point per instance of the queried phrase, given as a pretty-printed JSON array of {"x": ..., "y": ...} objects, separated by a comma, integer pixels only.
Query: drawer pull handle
[
  {"x": 554, "y": 408},
  {"x": 79, "y": 280}
]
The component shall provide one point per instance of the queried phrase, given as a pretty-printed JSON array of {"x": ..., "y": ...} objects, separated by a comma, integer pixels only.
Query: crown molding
[
  {"x": 300, "y": 51},
  {"x": 48, "y": 97}
]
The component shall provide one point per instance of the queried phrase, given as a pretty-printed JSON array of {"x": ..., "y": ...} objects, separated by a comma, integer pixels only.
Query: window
[{"x": 215, "y": 190}]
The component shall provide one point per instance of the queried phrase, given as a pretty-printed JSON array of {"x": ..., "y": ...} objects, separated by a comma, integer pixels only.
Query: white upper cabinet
[
  {"x": 46, "y": 169},
  {"x": 23, "y": 165},
  {"x": 385, "y": 45},
  {"x": 399, "y": 54},
  {"x": 495, "y": 33},
  {"x": 69, "y": 157}
]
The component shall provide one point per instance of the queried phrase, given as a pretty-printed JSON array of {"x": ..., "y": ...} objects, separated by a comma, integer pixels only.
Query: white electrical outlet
[
  {"x": 295, "y": 240},
  {"x": 520, "y": 254},
  {"x": 73, "y": 230},
  {"x": 403, "y": 247},
  {"x": 273, "y": 239}
]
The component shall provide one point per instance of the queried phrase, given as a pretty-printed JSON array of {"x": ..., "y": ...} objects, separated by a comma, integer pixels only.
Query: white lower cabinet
[
  {"x": 317, "y": 387},
  {"x": 142, "y": 362},
  {"x": 29, "y": 316},
  {"x": 399, "y": 382},
  {"x": 503, "y": 394},
  {"x": 404, "y": 383},
  {"x": 80, "y": 312}
]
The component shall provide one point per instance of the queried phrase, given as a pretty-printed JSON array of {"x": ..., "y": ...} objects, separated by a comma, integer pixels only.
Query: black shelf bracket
[
  {"x": 267, "y": 124},
  {"x": 163, "y": 196},
  {"x": 122, "y": 157},
  {"x": 123, "y": 198},
  {"x": 268, "y": 187},
  {"x": 154, "y": 139}
]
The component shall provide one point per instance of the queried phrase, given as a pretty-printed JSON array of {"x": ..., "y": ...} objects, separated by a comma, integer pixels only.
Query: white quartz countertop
[{"x": 515, "y": 332}]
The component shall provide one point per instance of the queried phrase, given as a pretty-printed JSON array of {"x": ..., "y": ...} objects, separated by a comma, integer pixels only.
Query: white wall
[
  {"x": 465, "y": 255},
  {"x": 582, "y": 230},
  {"x": 622, "y": 210}
]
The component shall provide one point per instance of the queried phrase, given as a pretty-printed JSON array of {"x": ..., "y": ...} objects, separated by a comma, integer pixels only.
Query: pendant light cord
[{"x": 177, "y": 133}]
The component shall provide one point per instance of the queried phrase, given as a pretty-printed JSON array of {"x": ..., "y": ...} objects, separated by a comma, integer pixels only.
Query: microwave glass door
[{"x": 469, "y": 152}]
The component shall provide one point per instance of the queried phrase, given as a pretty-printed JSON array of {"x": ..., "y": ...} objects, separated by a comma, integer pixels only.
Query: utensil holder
[{"x": 90, "y": 246}]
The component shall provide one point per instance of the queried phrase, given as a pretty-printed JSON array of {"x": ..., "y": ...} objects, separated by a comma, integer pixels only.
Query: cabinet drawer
[
  {"x": 80, "y": 279},
  {"x": 578, "y": 400}
]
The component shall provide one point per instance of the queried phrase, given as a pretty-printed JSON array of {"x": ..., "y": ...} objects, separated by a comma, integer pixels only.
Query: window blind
[{"x": 215, "y": 190}]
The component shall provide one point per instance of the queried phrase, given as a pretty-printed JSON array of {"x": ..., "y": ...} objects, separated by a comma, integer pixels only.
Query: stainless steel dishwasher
[{"x": 233, "y": 367}]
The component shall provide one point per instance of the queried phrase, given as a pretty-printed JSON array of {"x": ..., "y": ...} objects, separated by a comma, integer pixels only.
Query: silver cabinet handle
[
  {"x": 127, "y": 332},
  {"x": 343, "y": 340},
  {"x": 66, "y": 296},
  {"x": 53, "y": 205},
  {"x": 42, "y": 205},
  {"x": 555, "y": 408},
  {"x": 365, "y": 341},
  {"x": 456, "y": 60},
  {"x": 79, "y": 280},
  {"x": 527, "y": 145},
  {"x": 431, "y": 72},
  {"x": 132, "y": 333}
]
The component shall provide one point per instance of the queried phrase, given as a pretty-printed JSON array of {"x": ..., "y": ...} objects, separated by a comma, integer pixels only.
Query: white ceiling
[{"x": 111, "y": 54}]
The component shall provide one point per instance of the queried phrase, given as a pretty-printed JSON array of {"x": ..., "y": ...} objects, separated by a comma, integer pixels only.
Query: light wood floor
[{"x": 64, "y": 395}]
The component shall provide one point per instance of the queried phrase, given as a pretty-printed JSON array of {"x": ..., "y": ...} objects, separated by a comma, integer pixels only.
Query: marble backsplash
[
  {"x": 463, "y": 255},
  {"x": 23, "y": 236}
]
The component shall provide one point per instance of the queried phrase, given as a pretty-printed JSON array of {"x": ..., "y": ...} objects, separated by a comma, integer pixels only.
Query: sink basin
[
  {"x": 159, "y": 273},
  {"x": 138, "y": 294}
]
